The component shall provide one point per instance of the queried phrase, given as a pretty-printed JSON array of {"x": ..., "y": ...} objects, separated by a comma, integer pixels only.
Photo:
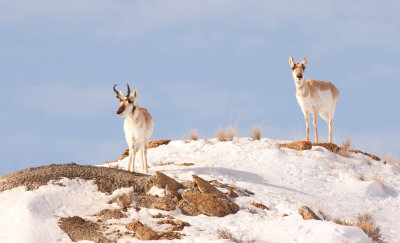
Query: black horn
[
  {"x": 129, "y": 90},
  {"x": 116, "y": 91}
]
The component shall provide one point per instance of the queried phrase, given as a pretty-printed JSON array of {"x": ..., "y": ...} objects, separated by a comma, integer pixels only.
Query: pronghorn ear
[
  {"x": 304, "y": 62},
  {"x": 291, "y": 62},
  {"x": 133, "y": 95}
]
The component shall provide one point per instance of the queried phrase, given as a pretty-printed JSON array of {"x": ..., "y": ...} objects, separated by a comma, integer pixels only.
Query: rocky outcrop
[
  {"x": 307, "y": 213},
  {"x": 107, "y": 179}
]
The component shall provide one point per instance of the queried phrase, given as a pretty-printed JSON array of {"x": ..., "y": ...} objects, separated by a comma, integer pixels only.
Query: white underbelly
[
  {"x": 321, "y": 102},
  {"x": 138, "y": 133}
]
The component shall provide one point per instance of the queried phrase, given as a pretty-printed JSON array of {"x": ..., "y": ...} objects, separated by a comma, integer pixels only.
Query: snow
[{"x": 281, "y": 179}]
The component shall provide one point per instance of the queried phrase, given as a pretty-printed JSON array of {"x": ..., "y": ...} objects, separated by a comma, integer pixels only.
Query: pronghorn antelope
[
  {"x": 317, "y": 97},
  {"x": 138, "y": 127}
]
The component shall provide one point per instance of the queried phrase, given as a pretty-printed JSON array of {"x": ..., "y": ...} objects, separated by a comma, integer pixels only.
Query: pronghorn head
[
  {"x": 298, "y": 70},
  {"x": 127, "y": 102}
]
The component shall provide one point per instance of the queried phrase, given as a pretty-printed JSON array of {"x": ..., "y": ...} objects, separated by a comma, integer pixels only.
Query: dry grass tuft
[
  {"x": 391, "y": 160},
  {"x": 380, "y": 180},
  {"x": 227, "y": 134},
  {"x": 256, "y": 132},
  {"x": 366, "y": 223},
  {"x": 227, "y": 234},
  {"x": 193, "y": 135},
  {"x": 361, "y": 176},
  {"x": 345, "y": 148}
]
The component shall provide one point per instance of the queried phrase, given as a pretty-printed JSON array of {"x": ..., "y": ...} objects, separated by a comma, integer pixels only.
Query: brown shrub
[
  {"x": 366, "y": 223},
  {"x": 380, "y": 180},
  {"x": 193, "y": 135},
  {"x": 256, "y": 132},
  {"x": 227, "y": 234},
  {"x": 344, "y": 150},
  {"x": 227, "y": 134},
  {"x": 391, "y": 160}
]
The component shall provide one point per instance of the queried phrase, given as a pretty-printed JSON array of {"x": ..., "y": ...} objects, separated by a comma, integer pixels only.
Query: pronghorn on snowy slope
[
  {"x": 138, "y": 127},
  {"x": 317, "y": 97}
]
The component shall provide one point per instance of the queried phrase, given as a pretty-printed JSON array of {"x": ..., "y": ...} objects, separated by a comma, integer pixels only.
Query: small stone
[
  {"x": 111, "y": 214},
  {"x": 157, "y": 216},
  {"x": 260, "y": 206},
  {"x": 231, "y": 193},
  {"x": 307, "y": 213},
  {"x": 162, "y": 205},
  {"x": 123, "y": 201},
  {"x": 142, "y": 232},
  {"x": 284, "y": 215}
]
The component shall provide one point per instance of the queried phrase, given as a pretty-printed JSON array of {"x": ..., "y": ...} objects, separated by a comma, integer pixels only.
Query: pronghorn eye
[{"x": 129, "y": 101}]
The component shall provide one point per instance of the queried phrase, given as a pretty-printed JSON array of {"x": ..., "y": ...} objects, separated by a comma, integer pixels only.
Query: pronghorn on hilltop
[
  {"x": 138, "y": 127},
  {"x": 317, "y": 97}
]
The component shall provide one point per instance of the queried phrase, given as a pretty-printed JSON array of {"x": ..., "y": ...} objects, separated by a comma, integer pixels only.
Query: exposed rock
[
  {"x": 171, "y": 235},
  {"x": 123, "y": 201},
  {"x": 163, "y": 205},
  {"x": 374, "y": 157},
  {"x": 173, "y": 193},
  {"x": 186, "y": 164},
  {"x": 211, "y": 204},
  {"x": 150, "y": 201},
  {"x": 157, "y": 216},
  {"x": 205, "y": 187},
  {"x": 307, "y": 213},
  {"x": 231, "y": 193},
  {"x": 163, "y": 180},
  {"x": 301, "y": 145},
  {"x": 156, "y": 143},
  {"x": 178, "y": 225},
  {"x": 111, "y": 214},
  {"x": 260, "y": 206},
  {"x": 218, "y": 184},
  {"x": 142, "y": 232},
  {"x": 79, "y": 229},
  {"x": 107, "y": 179},
  {"x": 188, "y": 208},
  {"x": 329, "y": 146}
]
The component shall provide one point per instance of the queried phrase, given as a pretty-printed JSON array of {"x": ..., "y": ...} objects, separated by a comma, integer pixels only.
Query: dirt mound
[{"x": 107, "y": 179}]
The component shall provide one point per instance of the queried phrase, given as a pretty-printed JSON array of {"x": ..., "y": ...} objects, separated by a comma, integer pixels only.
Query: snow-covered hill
[{"x": 281, "y": 179}]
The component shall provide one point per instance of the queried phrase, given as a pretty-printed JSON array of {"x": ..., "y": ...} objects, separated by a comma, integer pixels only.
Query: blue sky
[{"x": 196, "y": 64}]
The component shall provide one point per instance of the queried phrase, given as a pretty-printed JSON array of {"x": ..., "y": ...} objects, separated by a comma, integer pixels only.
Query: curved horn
[
  {"x": 129, "y": 90},
  {"x": 116, "y": 91}
]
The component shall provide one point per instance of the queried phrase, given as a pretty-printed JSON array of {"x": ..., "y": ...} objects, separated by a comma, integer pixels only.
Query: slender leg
[
  {"x": 315, "y": 118},
  {"x": 132, "y": 155},
  {"x": 141, "y": 150},
  {"x": 146, "y": 170},
  {"x": 330, "y": 130},
  {"x": 307, "y": 118}
]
